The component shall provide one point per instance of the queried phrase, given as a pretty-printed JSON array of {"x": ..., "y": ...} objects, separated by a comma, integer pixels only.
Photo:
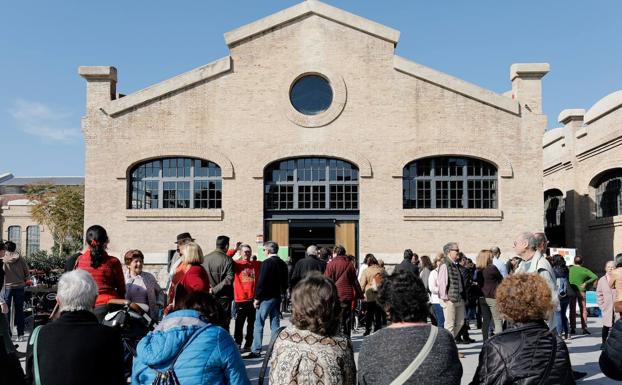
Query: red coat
[
  {"x": 108, "y": 277},
  {"x": 342, "y": 272},
  {"x": 195, "y": 279}
]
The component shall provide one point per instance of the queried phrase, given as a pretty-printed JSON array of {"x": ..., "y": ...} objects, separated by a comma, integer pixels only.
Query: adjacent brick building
[{"x": 583, "y": 181}]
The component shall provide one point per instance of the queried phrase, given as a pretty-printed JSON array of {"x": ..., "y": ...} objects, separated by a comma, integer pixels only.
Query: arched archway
[
  {"x": 311, "y": 200},
  {"x": 555, "y": 217}
]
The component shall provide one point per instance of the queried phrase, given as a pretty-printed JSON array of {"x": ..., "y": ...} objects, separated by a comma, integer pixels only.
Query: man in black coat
[
  {"x": 271, "y": 285},
  {"x": 611, "y": 358},
  {"x": 407, "y": 264},
  {"x": 305, "y": 266},
  {"x": 76, "y": 349}
]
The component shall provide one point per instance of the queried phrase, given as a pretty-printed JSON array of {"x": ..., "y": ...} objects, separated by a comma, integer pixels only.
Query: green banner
[{"x": 283, "y": 253}]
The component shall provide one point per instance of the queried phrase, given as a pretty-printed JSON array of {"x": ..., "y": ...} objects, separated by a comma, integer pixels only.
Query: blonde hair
[
  {"x": 192, "y": 253},
  {"x": 440, "y": 257},
  {"x": 484, "y": 259}
]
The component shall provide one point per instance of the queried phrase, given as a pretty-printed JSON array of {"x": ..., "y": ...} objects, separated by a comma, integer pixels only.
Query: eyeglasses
[{"x": 456, "y": 250}]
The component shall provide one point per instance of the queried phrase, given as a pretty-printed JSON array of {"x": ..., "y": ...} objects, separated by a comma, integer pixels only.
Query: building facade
[
  {"x": 16, "y": 223},
  {"x": 313, "y": 130},
  {"x": 583, "y": 181}
]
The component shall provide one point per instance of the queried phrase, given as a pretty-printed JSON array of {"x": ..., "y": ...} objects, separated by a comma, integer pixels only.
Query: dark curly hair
[
  {"x": 403, "y": 297},
  {"x": 315, "y": 305}
]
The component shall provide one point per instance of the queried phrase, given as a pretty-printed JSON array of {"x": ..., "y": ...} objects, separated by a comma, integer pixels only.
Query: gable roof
[
  {"x": 456, "y": 85},
  {"x": 316, "y": 8}
]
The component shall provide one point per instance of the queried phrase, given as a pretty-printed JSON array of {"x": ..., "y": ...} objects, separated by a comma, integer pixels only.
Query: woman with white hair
[{"x": 75, "y": 349}]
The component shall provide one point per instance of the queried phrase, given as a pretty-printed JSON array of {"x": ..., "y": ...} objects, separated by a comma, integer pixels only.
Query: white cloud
[{"x": 38, "y": 119}]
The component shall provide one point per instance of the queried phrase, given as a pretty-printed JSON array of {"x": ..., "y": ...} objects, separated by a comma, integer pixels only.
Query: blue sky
[{"x": 42, "y": 43}]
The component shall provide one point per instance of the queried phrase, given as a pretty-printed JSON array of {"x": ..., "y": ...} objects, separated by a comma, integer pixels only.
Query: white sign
[{"x": 568, "y": 254}]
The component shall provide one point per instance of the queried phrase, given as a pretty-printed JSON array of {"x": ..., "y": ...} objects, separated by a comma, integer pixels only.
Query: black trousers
[
  {"x": 373, "y": 316},
  {"x": 225, "y": 315},
  {"x": 346, "y": 319},
  {"x": 245, "y": 313}
]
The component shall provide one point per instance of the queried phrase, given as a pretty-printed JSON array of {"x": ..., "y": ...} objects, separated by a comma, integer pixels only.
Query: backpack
[
  {"x": 562, "y": 287},
  {"x": 376, "y": 281}
]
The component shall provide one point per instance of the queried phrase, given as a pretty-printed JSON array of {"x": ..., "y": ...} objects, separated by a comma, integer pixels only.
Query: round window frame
[
  {"x": 326, "y": 117},
  {"x": 305, "y": 76}
]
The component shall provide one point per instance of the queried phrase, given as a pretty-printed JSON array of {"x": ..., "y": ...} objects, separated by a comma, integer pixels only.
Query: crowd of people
[{"x": 413, "y": 317}]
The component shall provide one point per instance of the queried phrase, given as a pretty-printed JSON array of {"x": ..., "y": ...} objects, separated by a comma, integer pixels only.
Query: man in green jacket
[{"x": 580, "y": 278}]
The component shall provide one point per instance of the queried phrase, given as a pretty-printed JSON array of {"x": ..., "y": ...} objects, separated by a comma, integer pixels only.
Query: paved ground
[{"x": 584, "y": 353}]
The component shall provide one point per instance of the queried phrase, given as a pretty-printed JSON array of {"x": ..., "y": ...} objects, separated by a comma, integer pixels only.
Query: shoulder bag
[
  {"x": 168, "y": 377},
  {"x": 33, "y": 341},
  {"x": 416, "y": 363},
  {"x": 266, "y": 359}
]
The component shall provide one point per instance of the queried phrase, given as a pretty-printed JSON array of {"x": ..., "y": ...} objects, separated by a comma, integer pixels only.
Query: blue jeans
[
  {"x": 561, "y": 317},
  {"x": 268, "y": 307},
  {"x": 16, "y": 294},
  {"x": 438, "y": 313}
]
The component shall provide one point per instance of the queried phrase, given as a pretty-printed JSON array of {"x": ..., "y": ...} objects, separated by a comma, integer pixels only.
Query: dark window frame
[
  {"x": 450, "y": 182},
  {"x": 608, "y": 194},
  {"x": 173, "y": 183},
  {"x": 11, "y": 237},
  {"x": 311, "y": 183},
  {"x": 33, "y": 240}
]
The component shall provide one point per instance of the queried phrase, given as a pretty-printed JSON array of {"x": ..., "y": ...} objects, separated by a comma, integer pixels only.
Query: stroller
[{"x": 133, "y": 322}]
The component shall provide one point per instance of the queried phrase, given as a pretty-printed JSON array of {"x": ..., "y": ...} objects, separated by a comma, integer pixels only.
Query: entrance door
[
  {"x": 278, "y": 231},
  {"x": 304, "y": 233},
  {"x": 345, "y": 235}
]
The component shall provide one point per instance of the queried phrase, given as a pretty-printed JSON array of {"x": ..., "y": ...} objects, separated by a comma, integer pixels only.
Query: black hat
[{"x": 184, "y": 237}]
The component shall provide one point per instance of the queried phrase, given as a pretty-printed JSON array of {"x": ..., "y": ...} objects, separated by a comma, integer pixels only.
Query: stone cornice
[
  {"x": 603, "y": 107},
  {"x": 456, "y": 85},
  {"x": 312, "y": 7},
  {"x": 115, "y": 107}
]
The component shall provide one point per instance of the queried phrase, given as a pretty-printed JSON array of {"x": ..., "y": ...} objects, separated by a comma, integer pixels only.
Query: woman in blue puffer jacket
[{"x": 206, "y": 353}]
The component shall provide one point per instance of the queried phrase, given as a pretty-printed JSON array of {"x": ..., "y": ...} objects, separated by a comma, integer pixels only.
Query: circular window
[{"x": 311, "y": 95}]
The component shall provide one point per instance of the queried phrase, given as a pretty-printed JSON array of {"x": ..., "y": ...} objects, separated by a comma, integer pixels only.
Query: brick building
[
  {"x": 312, "y": 129},
  {"x": 583, "y": 181},
  {"x": 16, "y": 224}
]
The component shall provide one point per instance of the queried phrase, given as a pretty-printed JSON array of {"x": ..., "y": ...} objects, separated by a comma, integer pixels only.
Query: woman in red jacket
[
  {"x": 190, "y": 275},
  {"x": 106, "y": 270}
]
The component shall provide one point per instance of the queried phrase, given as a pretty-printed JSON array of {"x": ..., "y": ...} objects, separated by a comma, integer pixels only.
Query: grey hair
[
  {"x": 77, "y": 290},
  {"x": 532, "y": 240},
  {"x": 243, "y": 245},
  {"x": 271, "y": 247},
  {"x": 541, "y": 239},
  {"x": 312, "y": 250},
  {"x": 448, "y": 246},
  {"x": 495, "y": 250}
]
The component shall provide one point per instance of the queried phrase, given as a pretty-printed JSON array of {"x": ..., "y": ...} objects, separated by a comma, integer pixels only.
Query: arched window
[
  {"x": 311, "y": 184},
  {"x": 554, "y": 208},
  {"x": 176, "y": 183},
  {"x": 15, "y": 235},
  {"x": 32, "y": 240},
  {"x": 609, "y": 194},
  {"x": 450, "y": 182}
]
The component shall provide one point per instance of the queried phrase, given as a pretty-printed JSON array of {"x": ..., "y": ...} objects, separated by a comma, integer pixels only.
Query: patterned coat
[{"x": 301, "y": 357}]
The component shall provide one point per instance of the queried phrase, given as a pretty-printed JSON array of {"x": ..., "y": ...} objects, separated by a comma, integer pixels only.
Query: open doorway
[{"x": 303, "y": 233}]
